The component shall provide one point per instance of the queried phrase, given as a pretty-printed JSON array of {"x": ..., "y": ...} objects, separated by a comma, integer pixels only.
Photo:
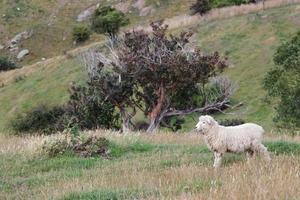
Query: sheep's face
[{"x": 205, "y": 124}]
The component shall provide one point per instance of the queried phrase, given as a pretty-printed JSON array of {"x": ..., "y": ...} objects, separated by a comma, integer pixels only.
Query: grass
[{"x": 161, "y": 166}]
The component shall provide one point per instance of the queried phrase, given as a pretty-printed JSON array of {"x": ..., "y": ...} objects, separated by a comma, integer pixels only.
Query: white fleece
[{"x": 220, "y": 139}]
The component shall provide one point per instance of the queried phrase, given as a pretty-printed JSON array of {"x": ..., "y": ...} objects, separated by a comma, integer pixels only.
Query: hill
[{"x": 248, "y": 41}]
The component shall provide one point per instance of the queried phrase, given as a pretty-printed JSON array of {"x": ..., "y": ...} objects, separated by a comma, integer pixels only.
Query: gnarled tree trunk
[{"x": 155, "y": 114}]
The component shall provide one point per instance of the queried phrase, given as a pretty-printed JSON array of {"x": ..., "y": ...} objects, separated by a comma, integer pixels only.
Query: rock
[
  {"x": 86, "y": 14},
  {"x": 12, "y": 44},
  {"x": 1, "y": 47},
  {"x": 22, "y": 54},
  {"x": 43, "y": 59},
  {"x": 146, "y": 11}
]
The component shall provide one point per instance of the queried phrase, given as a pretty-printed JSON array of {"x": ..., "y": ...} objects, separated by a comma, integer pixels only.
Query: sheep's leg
[
  {"x": 262, "y": 150},
  {"x": 249, "y": 155},
  {"x": 218, "y": 159}
]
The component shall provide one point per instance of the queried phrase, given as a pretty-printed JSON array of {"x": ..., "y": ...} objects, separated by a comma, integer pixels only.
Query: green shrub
[
  {"x": 85, "y": 110},
  {"x": 108, "y": 20},
  {"x": 6, "y": 64},
  {"x": 81, "y": 33},
  {"x": 81, "y": 145},
  {"x": 231, "y": 122},
  {"x": 41, "y": 119}
]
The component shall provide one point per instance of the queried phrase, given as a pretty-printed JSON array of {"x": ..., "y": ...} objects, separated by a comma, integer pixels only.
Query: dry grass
[{"x": 172, "y": 172}]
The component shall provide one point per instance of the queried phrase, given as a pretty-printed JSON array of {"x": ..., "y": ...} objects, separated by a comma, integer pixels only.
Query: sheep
[{"x": 236, "y": 139}]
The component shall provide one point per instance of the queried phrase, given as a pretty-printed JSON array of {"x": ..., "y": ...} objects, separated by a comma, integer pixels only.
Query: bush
[
  {"x": 201, "y": 7},
  {"x": 81, "y": 145},
  {"x": 108, "y": 20},
  {"x": 232, "y": 122},
  {"x": 41, "y": 119},
  {"x": 81, "y": 33},
  {"x": 6, "y": 64},
  {"x": 87, "y": 109}
]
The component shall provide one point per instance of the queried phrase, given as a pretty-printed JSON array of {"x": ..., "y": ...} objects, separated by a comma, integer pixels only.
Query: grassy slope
[
  {"x": 52, "y": 22},
  {"x": 161, "y": 166},
  {"x": 249, "y": 41}
]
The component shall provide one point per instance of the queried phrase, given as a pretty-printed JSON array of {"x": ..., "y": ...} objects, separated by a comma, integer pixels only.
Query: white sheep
[{"x": 236, "y": 139}]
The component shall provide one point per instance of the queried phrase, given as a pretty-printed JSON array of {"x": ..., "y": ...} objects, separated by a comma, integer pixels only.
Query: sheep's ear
[{"x": 210, "y": 120}]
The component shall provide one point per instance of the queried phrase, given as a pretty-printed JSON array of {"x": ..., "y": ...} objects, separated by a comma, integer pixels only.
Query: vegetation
[
  {"x": 164, "y": 80},
  {"x": 78, "y": 144},
  {"x": 108, "y": 20},
  {"x": 283, "y": 82},
  {"x": 6, "y": 64},
  {"x": 81, "y": 33},
  {"x": 40, "y": 119},
  {"x": 86, "y": 109},
  {"x": 201, "y": 7}
]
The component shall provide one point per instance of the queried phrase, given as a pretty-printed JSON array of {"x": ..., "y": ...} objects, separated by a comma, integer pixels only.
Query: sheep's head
[{"x": 205, "y": 123}]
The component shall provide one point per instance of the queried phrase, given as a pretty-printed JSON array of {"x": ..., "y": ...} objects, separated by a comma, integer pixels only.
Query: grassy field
[{"x": 161, "y": 166}]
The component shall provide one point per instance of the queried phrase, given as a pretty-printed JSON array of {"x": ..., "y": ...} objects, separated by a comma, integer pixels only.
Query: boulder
[{"x": 22, "y": 54}]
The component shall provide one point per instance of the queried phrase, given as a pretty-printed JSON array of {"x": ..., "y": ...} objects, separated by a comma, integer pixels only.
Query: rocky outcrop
[
  {"x": 12, "y": 45},
  {"x": 22, "y": 54}
]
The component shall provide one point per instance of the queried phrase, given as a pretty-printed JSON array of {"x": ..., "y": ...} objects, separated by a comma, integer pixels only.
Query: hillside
[
  {"x": 51, "y": 22},
  {"x": 249, "y": 42}
]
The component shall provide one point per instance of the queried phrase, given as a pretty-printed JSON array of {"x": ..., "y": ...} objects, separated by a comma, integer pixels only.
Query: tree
[
  {"x": 201, "y": 7},
  {"x": 159, "y": 75},
  {"x": 108, "y": 20},
  {"x": 283, "y": 83}
]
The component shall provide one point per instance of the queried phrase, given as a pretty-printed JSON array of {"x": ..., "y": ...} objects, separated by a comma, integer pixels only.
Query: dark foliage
[
  {"x": 86, "y": 109},
  {"x": 201, "y": 7},
  {"x": 41, "y": 119},
  {"x": 6, "y": 64},
  {"x": 232, "y": 122}
]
